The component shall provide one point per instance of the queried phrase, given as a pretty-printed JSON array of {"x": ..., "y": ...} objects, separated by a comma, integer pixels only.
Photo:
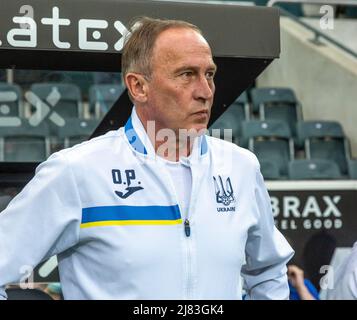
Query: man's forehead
[
  {"x": 184, "y": 33},
  {"x": 177, "y": 43}
]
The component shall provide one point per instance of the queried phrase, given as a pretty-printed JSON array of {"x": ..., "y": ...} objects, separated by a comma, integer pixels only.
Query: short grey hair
[{"x": 138, "y": 47}]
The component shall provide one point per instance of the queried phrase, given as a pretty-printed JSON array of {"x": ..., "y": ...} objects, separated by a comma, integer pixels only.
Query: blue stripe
[
  {"x": 204, "y": 146},
  {"x": 133, "y": 137},
  {"x": 109, "y": 213}
]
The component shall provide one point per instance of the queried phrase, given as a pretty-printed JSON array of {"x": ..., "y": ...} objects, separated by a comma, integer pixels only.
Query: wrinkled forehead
[{"x": 176, "y": 44}]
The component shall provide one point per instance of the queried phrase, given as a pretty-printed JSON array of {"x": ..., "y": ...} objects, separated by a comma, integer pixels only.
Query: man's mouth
[{"x": 202, "y": 113}]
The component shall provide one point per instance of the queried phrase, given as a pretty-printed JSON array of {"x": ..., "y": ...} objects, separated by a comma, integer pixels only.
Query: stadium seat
[
  {"x": 293, "y": 8},
  {"x": 325, "y": 140},
  {"x": 277, "y": 104},
  {"x": 63, "y": 98},
  {"x": 270, "y": 140},
  {"x": 81, "y": 79},
  {"x": 352, "y": 169},
  {"x": 303, "y": 169},
  {"x": 57, "y": 77},
  {"x": 270, "y": 170},
  {"x": 84, "y": 80},
  {"x": 25, "y": 78},
  {"x": 320, "y": 129},
  {"x": 76, "y": 130},
  {"x": 107, "y": 78},
  {"x": 102, "y": 97},
  {"x": 351, "y": 12},
  {"x": 2, "y": 75},
  {"x": 26, "y": 294},
  {"x": 24, "y": 143},
  {"x": 232, "y": 119},
  {"x": 4, "y": 201},
  {"x": 10, "y": 100}
]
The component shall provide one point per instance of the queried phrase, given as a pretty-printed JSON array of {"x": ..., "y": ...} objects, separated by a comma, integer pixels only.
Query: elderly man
[{"x": 156, "y": 209}]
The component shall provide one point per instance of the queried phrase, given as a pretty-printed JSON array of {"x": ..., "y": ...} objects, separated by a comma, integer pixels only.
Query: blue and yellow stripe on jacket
[{"x": 130, "y": 215}]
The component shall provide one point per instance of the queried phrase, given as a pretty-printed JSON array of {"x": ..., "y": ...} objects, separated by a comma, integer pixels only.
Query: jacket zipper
[
  {"x": 188, "y": 246},
  {"x": 187, "y": 228},
  {"x": 189, "y": 242}
]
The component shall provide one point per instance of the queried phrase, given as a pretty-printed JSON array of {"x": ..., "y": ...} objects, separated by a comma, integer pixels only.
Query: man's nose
[{"x": 204, "y": 89}]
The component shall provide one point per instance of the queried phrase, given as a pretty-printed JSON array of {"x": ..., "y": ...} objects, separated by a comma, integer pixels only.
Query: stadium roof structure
[{"x": 87, "y": 35}]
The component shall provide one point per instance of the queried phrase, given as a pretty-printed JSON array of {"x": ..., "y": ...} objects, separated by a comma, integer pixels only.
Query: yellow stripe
[{"x": 130, "y": 222}]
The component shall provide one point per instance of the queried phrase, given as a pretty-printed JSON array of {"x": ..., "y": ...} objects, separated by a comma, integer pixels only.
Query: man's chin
[
  {"x": 197, "y": 130},
  {"x": 194, "y": 131}
]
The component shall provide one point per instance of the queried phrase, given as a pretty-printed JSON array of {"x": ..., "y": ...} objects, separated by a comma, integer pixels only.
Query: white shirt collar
[{"x": 140, "y": 141}]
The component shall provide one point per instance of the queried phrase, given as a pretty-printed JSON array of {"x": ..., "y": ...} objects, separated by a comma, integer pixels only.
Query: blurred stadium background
[{"x": 299, "y": 118}]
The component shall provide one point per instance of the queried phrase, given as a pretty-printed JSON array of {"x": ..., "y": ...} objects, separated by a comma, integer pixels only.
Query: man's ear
[{"x": 137, "y": 86}]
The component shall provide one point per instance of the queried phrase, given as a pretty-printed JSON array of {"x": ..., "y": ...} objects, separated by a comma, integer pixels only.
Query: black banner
[
  {"x": 99, "y": 26},
  {"x": 316, "y": 222}
]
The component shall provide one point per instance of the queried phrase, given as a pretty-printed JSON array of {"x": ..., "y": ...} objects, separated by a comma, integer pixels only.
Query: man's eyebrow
[
  {"x": 214, "y": 67},
  {"x": 190, "y": 67}
]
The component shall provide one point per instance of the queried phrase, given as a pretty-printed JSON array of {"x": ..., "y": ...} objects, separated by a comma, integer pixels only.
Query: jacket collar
[{"x": 140, "y": 142}]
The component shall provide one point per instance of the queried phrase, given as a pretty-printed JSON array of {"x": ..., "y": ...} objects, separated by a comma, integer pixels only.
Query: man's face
[{"x": 181, "y": 88}]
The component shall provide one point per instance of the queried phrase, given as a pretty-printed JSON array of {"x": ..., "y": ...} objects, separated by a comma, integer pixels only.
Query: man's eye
[
  {"x": 210, "y": 75},
  {"x": 187, "y": 74}
]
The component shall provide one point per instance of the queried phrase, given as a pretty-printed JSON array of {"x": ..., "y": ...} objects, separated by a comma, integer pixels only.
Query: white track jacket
[{"x": 109, "y": 211}]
